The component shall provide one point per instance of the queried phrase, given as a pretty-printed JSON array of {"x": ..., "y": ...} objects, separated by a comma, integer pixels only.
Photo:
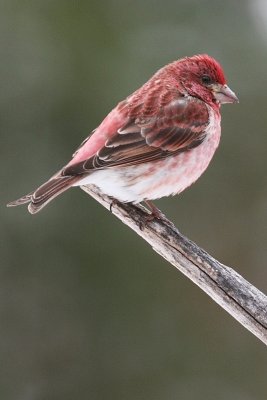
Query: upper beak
[{"x": 223, "y": 94}]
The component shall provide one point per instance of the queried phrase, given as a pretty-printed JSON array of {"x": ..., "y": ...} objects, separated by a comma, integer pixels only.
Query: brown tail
[{"x": 45, "y": 193}]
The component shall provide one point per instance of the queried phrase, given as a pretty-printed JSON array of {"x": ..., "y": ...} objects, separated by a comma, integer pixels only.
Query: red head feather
[
  {"x": 190, "y": 71},
  {"x": 203, "y": 63}
]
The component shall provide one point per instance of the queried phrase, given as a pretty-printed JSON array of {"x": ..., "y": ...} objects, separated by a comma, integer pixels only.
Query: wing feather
[{"x": 180, "y": 126}]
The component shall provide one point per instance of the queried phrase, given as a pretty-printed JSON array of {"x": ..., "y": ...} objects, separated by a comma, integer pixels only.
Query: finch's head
[{"x": 203, "y": 77}]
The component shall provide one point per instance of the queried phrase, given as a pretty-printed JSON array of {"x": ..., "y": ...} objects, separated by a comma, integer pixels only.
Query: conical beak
[{"x": 223, "y": 94}]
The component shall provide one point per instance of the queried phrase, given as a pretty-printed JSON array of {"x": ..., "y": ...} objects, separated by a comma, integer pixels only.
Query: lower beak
[{"x": 223, "y": 94}]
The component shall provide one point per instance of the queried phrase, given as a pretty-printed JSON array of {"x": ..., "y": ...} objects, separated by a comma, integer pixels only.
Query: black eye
[{"x": 206, "y": 79}]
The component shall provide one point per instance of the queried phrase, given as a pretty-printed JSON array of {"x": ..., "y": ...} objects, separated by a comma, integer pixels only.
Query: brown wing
[{"x": 180, "y": 126}]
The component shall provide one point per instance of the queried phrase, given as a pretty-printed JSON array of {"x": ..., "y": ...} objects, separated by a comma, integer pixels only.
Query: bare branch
[{"x": 224, "y": 285}]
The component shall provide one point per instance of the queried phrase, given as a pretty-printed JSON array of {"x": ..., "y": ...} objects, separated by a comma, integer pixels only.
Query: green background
[{"x": 87, "y": 310}]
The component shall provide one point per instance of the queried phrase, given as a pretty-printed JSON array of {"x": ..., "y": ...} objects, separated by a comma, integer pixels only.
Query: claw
[
  {"x": 155, "y": 214},
  {"x": 113, "y": 203}
]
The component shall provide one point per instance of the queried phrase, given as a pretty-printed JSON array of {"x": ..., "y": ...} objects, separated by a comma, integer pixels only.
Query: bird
[{"x": 155, "y": 143}]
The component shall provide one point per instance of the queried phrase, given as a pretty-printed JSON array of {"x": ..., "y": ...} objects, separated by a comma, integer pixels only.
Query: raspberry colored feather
[{"x": 155, "y": 143}]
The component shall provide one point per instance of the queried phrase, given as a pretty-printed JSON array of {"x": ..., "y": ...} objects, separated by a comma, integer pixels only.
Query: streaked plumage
[{"x": 155, "y": 143}]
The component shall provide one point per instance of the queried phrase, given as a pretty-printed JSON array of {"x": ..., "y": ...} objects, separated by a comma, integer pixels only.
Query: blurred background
[{"x": 87, "y": 310}]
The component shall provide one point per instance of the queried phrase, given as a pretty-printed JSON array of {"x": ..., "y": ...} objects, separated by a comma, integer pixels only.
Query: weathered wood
[{"x": 224, "y": 285}]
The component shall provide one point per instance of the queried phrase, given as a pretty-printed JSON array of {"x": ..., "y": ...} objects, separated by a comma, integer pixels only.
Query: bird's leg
[
  {"x": 155, "y": 212},
  {"x": 113, "y": 203}
]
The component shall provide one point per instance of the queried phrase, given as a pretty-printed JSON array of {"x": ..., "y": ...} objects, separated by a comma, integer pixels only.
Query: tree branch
[{"x": 224, "y": 285}]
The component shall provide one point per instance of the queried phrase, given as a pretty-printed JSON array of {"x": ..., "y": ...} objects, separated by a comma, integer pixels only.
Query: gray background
[{"x": 87, "y": 310}]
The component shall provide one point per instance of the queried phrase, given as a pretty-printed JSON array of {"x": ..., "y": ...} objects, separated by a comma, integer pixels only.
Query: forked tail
[{"x": 45, "y": 193}]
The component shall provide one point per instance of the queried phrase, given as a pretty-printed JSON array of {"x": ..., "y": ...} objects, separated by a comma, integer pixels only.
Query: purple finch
[{"x": 155, "y": 143}]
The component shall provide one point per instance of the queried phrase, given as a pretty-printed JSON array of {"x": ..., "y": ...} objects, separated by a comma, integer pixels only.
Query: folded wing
[{"x": 180, "y": 126}]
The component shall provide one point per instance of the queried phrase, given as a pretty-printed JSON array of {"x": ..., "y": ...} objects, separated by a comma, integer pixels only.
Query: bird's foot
[
  {"x": 113, "y": 203},
  {"x": 155, "y": 213}
]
